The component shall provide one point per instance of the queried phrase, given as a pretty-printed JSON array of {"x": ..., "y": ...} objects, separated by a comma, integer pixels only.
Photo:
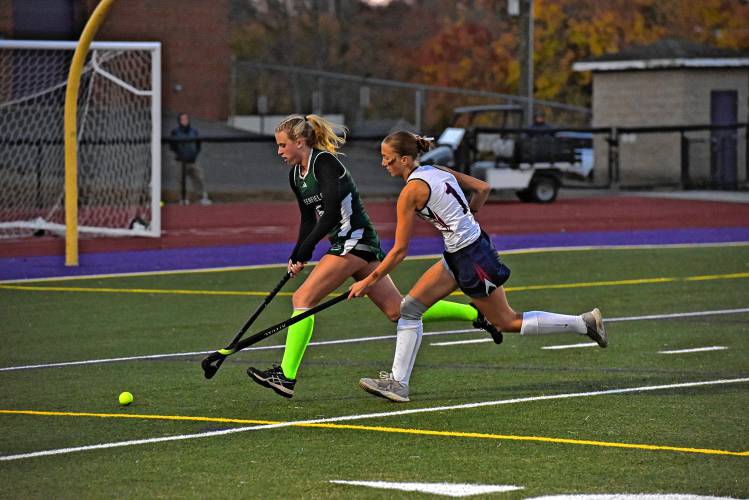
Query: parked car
[{"x": 491, "y": 143}]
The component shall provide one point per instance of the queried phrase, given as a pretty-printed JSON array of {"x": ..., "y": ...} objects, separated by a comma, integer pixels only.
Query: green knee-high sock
[
  {"x": 297, "y": 339},
  {"x": 450, "y": 311}
]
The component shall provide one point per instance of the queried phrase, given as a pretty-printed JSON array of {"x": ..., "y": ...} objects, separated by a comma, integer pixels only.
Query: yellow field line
[
  {"x": 137, "y": 416},
  {"x": 642, "y": 281},
  {"x": 717, "y": 276},
  {"x": 392, "y": 430},
  {"x": 541, "y": 439},
  {"x": 134, "y": 290},
  {"x": 411, "y": 257}
]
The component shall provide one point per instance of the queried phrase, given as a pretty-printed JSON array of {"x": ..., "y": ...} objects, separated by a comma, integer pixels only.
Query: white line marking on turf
[
  {"x": 98, "y": 361},
  {"x": 197, "y": 353},
  {"x": 361, "y": 339},
  {"x": 444, "y": 489},
  {"x": 677, "y": 315},
  {"x": 570, "y": 346},
  {"x": 460, "y": 342},
  {"x": 696, "y": 349},
  {"x": 364, "y": 416}
]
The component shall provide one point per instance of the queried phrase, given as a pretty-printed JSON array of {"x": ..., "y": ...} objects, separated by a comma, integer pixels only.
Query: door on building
[{"x": 723, "y": 150}]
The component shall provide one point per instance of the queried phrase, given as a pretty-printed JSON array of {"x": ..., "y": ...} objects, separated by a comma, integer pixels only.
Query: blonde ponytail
[
  {"x": 326, "y": 138},
  {"x": 316, "y": 131}
]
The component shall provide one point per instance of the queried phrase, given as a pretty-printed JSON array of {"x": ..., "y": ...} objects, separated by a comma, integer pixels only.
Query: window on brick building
[{"x": 44, "y": 19}]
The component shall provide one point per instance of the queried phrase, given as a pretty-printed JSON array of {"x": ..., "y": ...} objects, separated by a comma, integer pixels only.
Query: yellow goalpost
[{"x": 71, "y": 131}]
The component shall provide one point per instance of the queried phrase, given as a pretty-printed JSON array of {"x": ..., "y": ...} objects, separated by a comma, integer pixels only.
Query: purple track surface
[{"x": 116, "y": 262}]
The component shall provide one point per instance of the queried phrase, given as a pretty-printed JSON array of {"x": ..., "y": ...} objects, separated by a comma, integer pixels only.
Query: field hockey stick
[
  {"x": 218, "y": 357},
  {"x": 249, "y": 322}
]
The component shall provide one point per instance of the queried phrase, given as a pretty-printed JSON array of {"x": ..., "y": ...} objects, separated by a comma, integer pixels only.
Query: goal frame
[{"x": 154, "y": 229}]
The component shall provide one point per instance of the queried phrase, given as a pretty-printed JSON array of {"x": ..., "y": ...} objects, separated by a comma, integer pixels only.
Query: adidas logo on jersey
[{"x": 304, "y": 184}]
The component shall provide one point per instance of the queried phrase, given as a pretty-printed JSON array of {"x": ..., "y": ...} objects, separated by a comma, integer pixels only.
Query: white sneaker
[
  {"x": 386, "y": 386},
  {"x": 594, "y": 322},
  {"x": 206, "y": 201}
]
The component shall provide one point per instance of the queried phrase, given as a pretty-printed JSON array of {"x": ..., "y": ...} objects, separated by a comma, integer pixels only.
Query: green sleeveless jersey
[{"x": 354, "y": 229}]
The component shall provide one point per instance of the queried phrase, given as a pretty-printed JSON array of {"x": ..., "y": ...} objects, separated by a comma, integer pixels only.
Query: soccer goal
[{"x": 118, "y": 138}]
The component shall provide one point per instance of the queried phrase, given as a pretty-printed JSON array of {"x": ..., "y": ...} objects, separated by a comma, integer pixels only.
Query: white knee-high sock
[
  {"x": 407, "y": 345},
  {"x": 542, "y": 323}
]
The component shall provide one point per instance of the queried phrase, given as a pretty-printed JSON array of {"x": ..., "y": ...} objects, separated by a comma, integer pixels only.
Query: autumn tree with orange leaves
[
  {"x": 473, "y": 44},
  {"x": 480, "y": 56}
]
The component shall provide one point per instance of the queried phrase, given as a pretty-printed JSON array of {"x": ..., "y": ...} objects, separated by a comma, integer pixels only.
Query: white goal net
[{"x": 119, "y": 134}]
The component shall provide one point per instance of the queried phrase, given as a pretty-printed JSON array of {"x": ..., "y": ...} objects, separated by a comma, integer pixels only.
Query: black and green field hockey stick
[
  {"x": 211, "y": 363},
  {"x": 266, "y": 301}
]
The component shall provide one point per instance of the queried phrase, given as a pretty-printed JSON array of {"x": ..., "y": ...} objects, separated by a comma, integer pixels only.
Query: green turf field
[{"x": 552, "y": 420}]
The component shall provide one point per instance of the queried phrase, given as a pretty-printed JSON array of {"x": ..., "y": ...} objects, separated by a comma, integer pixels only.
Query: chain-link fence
[
  {"x": 698, "y": 156},
  {"x": 689, "y": 157},
  {"x": 370, "y": 106}
]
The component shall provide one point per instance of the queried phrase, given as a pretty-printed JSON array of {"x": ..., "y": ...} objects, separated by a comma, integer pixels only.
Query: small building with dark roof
[{"x": 673, "y": 83}]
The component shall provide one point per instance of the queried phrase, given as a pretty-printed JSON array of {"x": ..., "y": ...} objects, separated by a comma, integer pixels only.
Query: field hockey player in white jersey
[
  {"x": 330, "y": 205},
  {"x": 470, "y": 262}
]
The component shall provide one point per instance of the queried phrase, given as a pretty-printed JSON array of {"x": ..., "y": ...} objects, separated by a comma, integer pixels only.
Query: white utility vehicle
[{"x": 489, "y": 142}]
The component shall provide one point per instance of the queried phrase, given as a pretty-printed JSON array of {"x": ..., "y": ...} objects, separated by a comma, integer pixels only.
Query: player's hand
[
  {"x": 295, "y": 267},
  {"x": 359, "y": 289}
]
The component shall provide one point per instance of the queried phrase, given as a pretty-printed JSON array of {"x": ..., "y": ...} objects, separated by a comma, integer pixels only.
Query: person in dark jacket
[
  {"x": 539, "y": 125},
  {"x": 186, "y": 154}
]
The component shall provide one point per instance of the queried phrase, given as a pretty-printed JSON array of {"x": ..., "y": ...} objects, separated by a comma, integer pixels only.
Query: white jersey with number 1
[{"x": 447, "y": 208}]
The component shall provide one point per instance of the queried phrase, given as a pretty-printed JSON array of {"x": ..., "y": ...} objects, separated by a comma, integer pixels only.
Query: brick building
[
  {"x": 673, "y": 82},
  {"x": 196, "y": 56}
]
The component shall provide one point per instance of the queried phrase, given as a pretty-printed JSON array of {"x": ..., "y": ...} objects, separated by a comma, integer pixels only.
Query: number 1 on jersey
[{"x": 451, "y": 190}]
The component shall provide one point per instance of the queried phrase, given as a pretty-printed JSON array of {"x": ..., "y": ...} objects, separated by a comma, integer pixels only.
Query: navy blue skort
[{"x": 477, "y": 268}]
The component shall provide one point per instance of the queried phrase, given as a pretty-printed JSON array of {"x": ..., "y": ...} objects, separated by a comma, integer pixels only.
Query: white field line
[
  {"x": 570, "y": 346},
  {"x": 365, "y": 416},
  {"x": 696, "y": 349},
  {"x": 677, "y": 315},
  {"x": 442, "y": 489},
  {"x": 100, "y": 361},
  {"x": 355, "y": 340},
  {"x": 460, "y": 342},
  {"x": 198, "y": 353}
]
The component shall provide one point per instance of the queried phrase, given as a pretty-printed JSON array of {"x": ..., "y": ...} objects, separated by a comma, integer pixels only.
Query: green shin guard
[
  {"x": 450, "y": 311},
  {"x": 297, "y": 339}
]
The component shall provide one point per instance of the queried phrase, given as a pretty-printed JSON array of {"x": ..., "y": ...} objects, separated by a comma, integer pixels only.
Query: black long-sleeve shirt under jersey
[
  {"x": 329, "y": 203},
  {"x": 326, "y": 175}
]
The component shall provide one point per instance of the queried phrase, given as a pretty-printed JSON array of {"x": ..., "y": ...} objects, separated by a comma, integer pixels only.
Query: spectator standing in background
[
  {"x": 186, "y": 154},
  {"x": 539, "y": 124}
]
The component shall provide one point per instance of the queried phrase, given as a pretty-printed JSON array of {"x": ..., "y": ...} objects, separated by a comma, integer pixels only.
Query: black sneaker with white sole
[
  {"x": 484, "y": 324},
  {"x": 273, "y": 378}
]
